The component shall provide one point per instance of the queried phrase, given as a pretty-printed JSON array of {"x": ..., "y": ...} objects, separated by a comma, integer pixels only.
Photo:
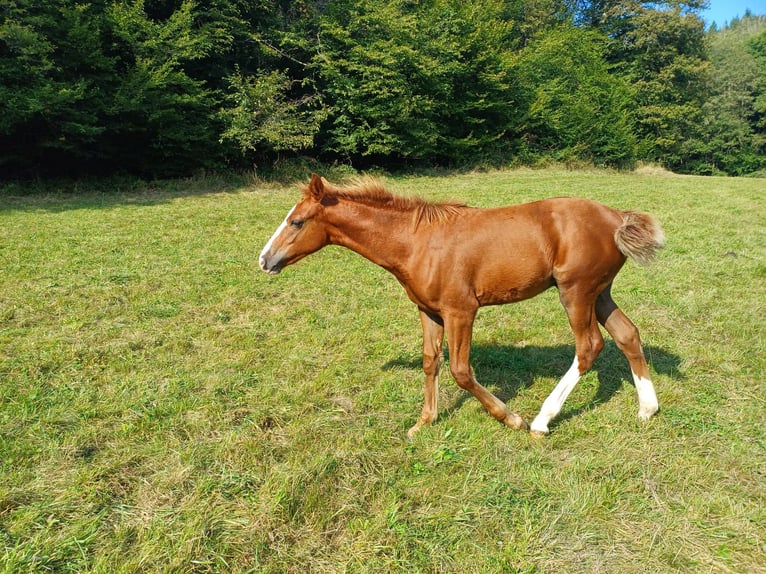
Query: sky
[{"x": 722, "y": 11}]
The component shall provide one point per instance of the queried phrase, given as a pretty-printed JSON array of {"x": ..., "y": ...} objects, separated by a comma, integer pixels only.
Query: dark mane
[{"x": 370, "y": 190}]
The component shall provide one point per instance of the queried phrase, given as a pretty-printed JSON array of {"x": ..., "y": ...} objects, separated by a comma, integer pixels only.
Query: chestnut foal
[{"x": 452, "y": 259}]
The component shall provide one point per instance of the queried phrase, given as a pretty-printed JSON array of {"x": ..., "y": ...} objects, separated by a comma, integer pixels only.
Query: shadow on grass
[
  {"x": 506, "y": 370},
  {"x": 56, "y": 196},
  {"x": 107, "y": 192}
]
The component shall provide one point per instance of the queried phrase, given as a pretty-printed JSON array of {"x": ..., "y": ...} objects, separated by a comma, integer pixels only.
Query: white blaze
[{"x": 267, "y": 247}]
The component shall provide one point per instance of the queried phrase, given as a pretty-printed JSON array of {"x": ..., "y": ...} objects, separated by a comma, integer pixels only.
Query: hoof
[
  {"x": 645, "y": 413},
  {"x": 412, "y": 432},
  {"x": 515, "y": 422},
  {"x": 538, "y": 434}
]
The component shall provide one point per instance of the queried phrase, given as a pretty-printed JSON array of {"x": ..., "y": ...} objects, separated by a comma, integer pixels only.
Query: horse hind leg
[
  {"x": 627, "y": 339},
  {"x": 588, "y": 344}
]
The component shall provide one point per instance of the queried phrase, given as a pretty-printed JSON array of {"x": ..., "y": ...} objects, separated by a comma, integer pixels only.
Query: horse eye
[{"x": 297, "y": 223}]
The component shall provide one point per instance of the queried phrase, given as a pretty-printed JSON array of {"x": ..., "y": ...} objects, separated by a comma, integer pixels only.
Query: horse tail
[{"x": 639, "y": 237}]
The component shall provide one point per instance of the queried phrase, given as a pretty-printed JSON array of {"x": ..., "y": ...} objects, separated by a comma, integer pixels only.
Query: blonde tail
[{"x": 639, "y": 237}]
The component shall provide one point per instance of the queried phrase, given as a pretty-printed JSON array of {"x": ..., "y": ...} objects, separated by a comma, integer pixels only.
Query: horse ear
[{"x": 316, "y": 187}]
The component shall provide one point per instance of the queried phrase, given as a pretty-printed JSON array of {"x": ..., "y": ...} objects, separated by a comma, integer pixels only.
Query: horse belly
[
  {"x": 512, "y": 271},
  {"x": 518, "y": 281}
]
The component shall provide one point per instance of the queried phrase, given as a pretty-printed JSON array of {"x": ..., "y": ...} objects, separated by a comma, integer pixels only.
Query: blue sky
[{"x": 722, "y": 11}]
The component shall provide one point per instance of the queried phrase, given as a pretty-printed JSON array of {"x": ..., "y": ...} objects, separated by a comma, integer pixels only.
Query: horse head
[{"x": 300, "y": 234}]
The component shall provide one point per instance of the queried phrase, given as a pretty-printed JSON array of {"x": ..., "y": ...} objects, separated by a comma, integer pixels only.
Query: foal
[{"x": 452, "y": 259}]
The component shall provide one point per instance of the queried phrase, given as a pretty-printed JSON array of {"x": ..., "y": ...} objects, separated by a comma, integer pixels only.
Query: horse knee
[{"x": 431, "y": 364}]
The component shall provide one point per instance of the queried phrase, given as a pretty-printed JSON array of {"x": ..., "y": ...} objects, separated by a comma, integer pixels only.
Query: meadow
[{"x": 167, "y": 407}]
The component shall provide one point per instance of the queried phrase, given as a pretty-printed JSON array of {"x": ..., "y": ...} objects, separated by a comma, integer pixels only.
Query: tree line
[{"x": 169, "y": 87}]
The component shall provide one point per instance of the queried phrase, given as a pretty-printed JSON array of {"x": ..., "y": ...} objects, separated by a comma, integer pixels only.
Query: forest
[{"x": 162, "y": 88}]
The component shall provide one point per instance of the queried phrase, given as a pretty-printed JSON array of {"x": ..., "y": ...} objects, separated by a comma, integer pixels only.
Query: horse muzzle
[{"x": 270, "y": 266}]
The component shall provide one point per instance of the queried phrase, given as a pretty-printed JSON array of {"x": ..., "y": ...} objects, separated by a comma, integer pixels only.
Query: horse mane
[{"x": 370, "y": 190}]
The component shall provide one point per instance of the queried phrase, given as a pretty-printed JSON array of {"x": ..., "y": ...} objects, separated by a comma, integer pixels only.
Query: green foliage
[
  {"x": 159, "y": 112},
  {"x": 399, "y": 88},
  {"x": 264, "y": 117},
  {"x": 474, "y": 45},
  {"x": 734, "y": 141},
  {"x": 52, "y": 69},
  {"x": 103, "y": 85},
  {"x": 577, "y": 109},
  {"x": 162, "y": 87},
  {"x": 376, "y": 82},
  {"x": 659, "y": 48},
  {"x": 757, "y": 47}
]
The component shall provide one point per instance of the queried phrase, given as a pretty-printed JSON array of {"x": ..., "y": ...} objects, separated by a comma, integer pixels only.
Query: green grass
[{"x": 167, "y": 407}]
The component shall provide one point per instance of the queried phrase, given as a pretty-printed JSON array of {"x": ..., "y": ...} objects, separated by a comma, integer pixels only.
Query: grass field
[{"x": 167, "y": 407}]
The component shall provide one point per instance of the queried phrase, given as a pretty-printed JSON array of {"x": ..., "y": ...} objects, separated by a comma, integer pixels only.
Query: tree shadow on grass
[
  {"x": 59, "y": 196},
  {"x": 506, "y": 370}
]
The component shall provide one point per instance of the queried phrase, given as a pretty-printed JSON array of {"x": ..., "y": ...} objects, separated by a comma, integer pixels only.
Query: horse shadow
[{"x": 506, "y": 370}]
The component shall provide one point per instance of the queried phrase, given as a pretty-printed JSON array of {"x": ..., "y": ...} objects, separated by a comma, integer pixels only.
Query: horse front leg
[
  {"x": 433, "y": 337},
  {"x": 459, "y": 333}
]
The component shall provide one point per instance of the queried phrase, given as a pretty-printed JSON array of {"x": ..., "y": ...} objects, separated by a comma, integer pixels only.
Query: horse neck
[{"x": 381, "y": 235}]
